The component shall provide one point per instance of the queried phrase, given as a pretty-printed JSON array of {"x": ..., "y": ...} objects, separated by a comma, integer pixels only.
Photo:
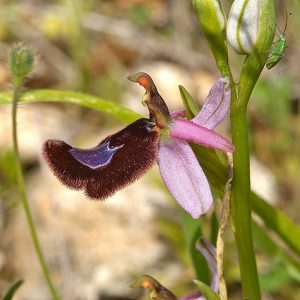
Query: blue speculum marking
[{"x": 96, "y": 157}]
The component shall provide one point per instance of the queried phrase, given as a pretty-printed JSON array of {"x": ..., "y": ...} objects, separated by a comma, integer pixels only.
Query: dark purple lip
[{"x": 114, "y": 163}]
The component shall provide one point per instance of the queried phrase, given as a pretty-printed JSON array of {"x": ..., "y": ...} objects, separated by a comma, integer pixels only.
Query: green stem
[
  {"x": 241, "y": 204},
  {"x": 24, "y": 201}
]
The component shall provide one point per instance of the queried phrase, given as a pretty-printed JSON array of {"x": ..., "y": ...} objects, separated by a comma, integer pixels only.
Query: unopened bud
[
  {"x": 250, "y": 30},
  {"x": 212, "y": 22},
  {"x": 21, "y": 62},
  {"x": 244, "y": 24}
]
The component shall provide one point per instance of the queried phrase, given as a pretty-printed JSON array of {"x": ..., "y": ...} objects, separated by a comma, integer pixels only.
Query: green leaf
[
  {"x": 192, "y": 231},
  {"x": 278, "y": 222},
  {"x": 191, "y": 106},
  {"x": 275, "y": 279},
  {"x": 10, "y": 293},
  {"x": 118, "y": 111},
  {"x": 280, "y": 259},
  {"x": 206, "y": 291}
]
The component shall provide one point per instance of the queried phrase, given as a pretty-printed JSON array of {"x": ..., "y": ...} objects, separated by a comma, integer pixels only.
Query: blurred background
[{"x": 95, "y": 249}]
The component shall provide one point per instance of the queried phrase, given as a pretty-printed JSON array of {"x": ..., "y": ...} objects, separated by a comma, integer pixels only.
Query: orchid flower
[
  {"x": 155, "y": 289},
  {"x": 123, "y": 157},
  {"x": 159, "y": 292}
]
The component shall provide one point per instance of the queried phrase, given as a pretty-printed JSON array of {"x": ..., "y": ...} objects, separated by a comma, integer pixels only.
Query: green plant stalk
[
  {"x": 241, "y": 205},
  {"x": 241, "y": 201},
  {"x": 240, "y": 194},
  {"x": 24, "y": 201}
]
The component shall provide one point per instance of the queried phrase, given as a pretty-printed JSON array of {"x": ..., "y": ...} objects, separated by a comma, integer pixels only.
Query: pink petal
[
  {"x": 210, "y": 253},
  {"x": 191, "y": 132},
  {"x": 178, "y": 114},
  {"x": 183, "y": 176},
  {"x": 216, "y": 105}
]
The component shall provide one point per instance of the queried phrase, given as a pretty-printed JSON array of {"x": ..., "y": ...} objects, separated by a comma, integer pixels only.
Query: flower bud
[
  {"x": 211, "y": 16},
  {"x": 21, "y": 61},
  {"x": 212, "y": 21},
  {"x": 252, "y": 35},
  {"x": 243, "y": 25}
]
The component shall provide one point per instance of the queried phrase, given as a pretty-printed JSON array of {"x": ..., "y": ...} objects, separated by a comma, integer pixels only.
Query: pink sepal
[
  {"x": 216, "y": 105},
  {"x": 184, "y": 177}
]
